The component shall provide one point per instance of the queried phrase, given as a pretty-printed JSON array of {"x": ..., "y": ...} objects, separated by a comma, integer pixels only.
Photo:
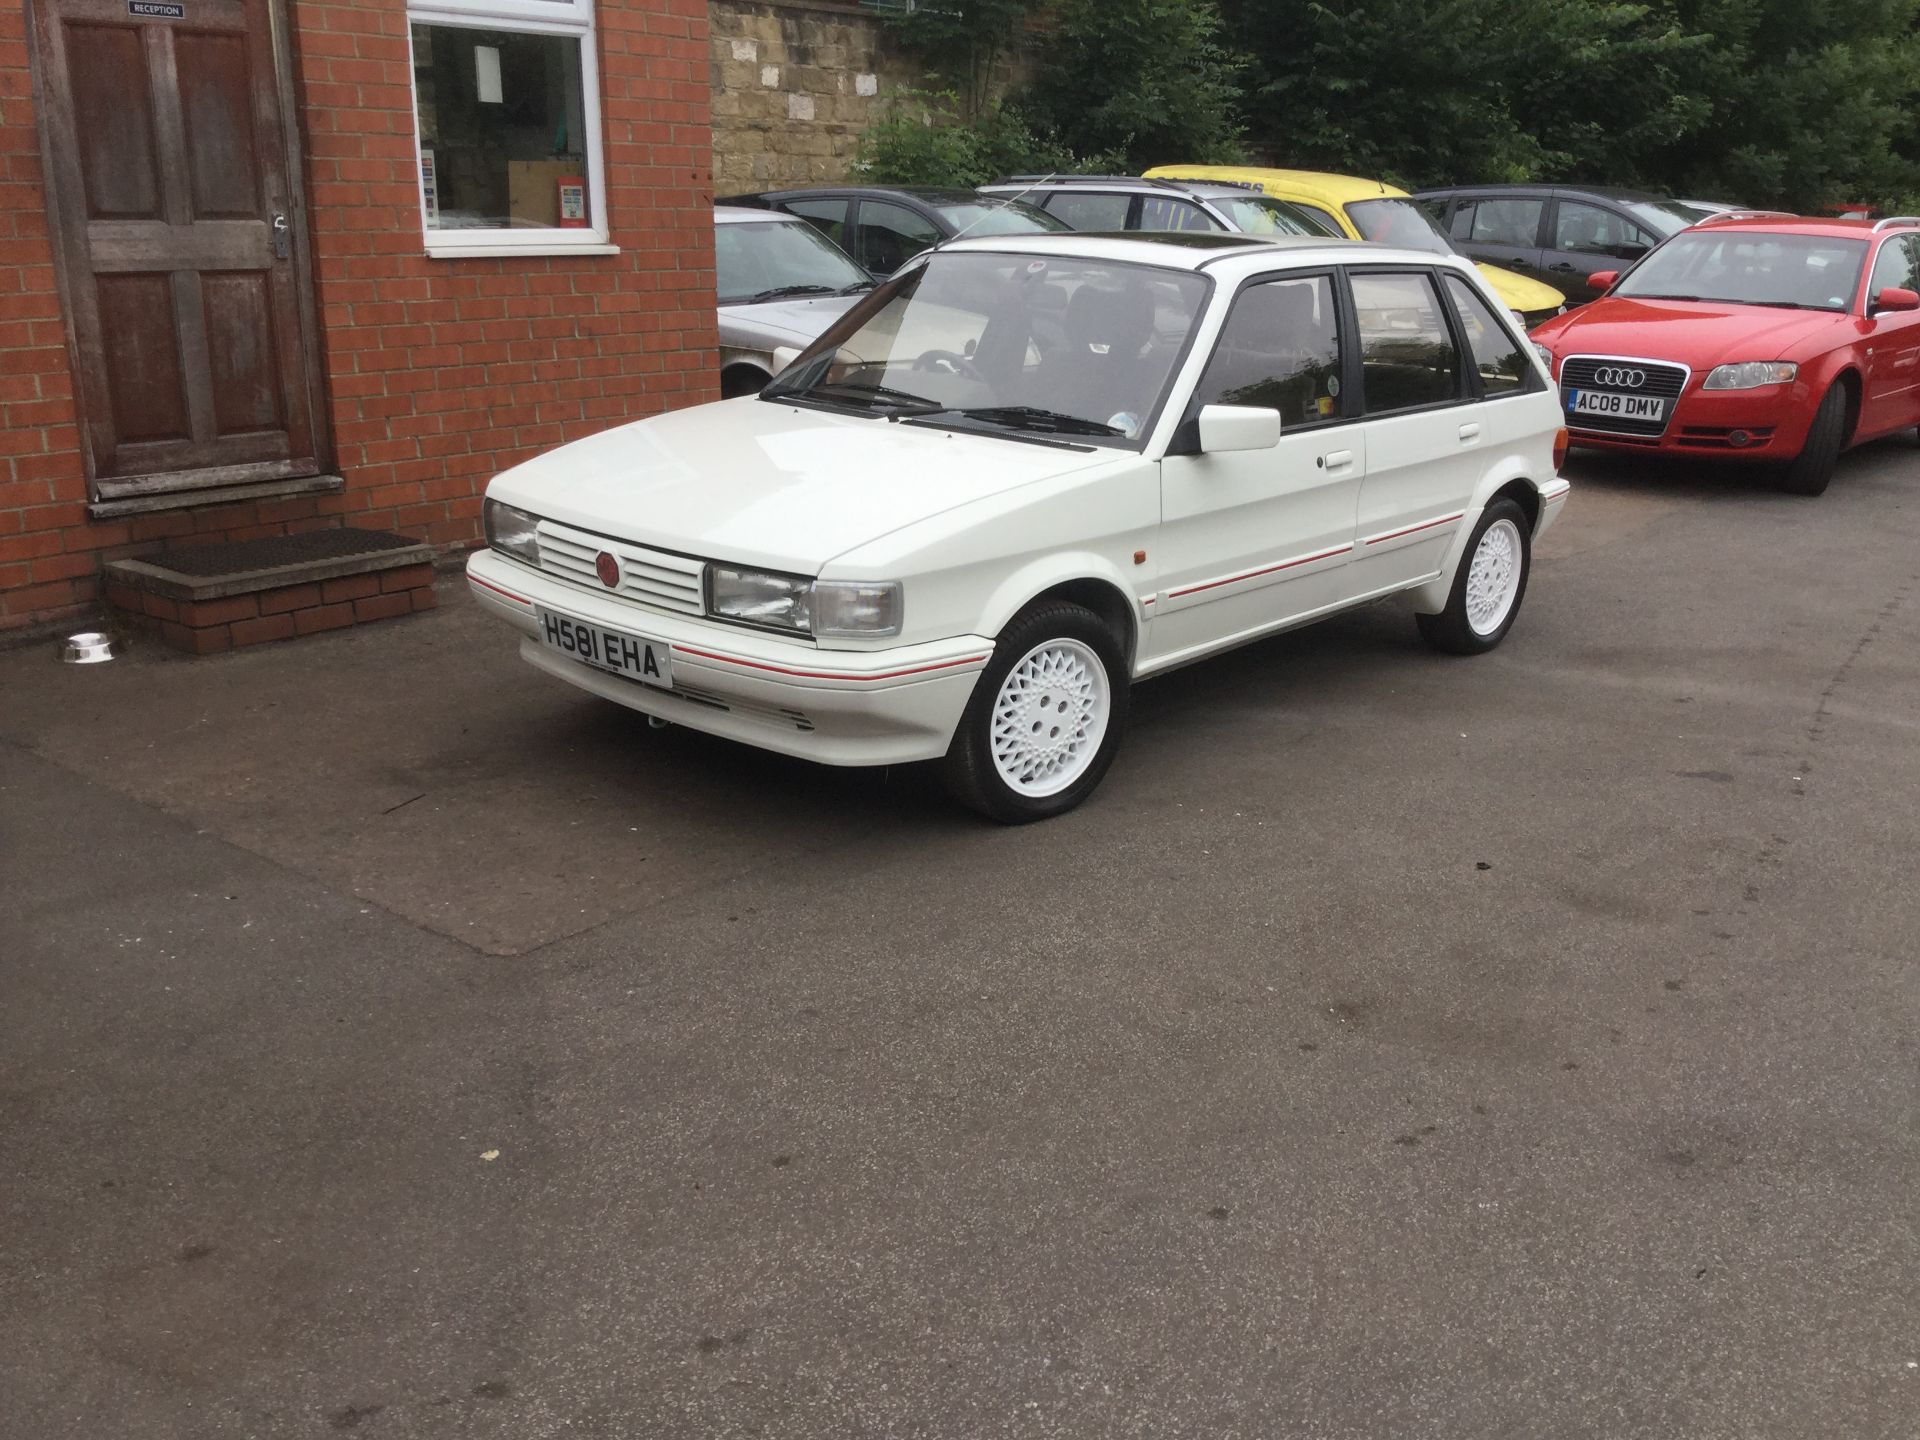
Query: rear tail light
[{"x": 1560, "y": 442}]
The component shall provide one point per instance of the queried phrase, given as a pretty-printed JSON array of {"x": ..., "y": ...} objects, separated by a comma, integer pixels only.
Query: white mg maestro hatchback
[{"x": 1022, "y": 475}]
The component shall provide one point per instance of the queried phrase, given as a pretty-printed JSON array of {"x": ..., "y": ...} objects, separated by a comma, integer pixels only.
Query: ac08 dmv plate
[{"x": 629, "y": 655}]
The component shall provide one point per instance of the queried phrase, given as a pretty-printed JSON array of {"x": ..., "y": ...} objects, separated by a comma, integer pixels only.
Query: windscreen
[
  {"x": 998, "y": 217},
  {"x": 758, "y": 261},
  {"x": 1259, "y": 215},
  {"x": 1395, "y": 220},
  {"x": 1065, "y": 346},
  {"x": 1750, "y": 267}
]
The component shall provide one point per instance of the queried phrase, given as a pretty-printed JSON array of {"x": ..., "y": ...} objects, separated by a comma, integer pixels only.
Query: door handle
[
  {"x": 1562, "y": 267},
  {"x": 282, "y": 233},
  {"x": 1338, "y": 458},
  {"x": 1469, "y": 433}
]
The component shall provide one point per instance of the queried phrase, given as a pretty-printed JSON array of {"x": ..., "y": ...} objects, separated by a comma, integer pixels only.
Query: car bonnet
[{"x": 774, "y": 485}]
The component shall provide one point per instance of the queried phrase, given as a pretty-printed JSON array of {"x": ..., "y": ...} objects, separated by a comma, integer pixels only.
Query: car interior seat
[
  {"x": 1275, "y": 354},
  {"x": 1098, "y": 369}
]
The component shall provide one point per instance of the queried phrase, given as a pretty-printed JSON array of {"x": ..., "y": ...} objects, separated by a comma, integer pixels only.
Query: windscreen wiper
[
  {"x": 782, "y": 292},
  {"x": 902, "y": 400},
  {"x": 1026, "y": 417}
]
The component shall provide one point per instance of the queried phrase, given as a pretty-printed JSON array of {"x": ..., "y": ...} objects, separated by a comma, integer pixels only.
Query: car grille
[
  {"x": 647, "y": 577},
  {"x": 1582, "y": 372}
]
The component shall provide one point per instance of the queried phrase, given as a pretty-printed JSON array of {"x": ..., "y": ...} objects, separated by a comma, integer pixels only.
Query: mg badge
[{"x": 608, "y": 569}]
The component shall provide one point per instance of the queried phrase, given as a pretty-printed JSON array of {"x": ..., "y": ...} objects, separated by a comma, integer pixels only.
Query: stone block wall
[{"x": 794, "y": 84}]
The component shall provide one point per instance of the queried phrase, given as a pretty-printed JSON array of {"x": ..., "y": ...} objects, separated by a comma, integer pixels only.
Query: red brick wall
[{"x": 439, "y": 373}]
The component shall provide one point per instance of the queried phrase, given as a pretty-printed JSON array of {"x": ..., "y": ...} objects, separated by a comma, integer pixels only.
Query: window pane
[
  {"x": 1896, "y": 267},
  {"x": 502, "y": 129},
  {"x": 829, "y": 217},
  {"x": 1504, "y": 222},
  {"x": 1159, "y": 213},
  {"x": 1502, "y": 366},
  {"x": 1280, "y": 350},
  {"x": 1090, "y": 212},
  {"x": 1406, "y": 350},
  {"x": 1593, "y": 231},
  {"x": 891, "y": 235}
]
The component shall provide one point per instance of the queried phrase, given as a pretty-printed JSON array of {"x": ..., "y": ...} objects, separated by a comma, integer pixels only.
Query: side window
[
  {"x": 1898, "y": 266},
  {"x": 1085, "y": 211},
  {"x": 1160, "y": 212},
  {"x": 1407, "y": 355},
  {"x": 1502, "y": 367},
  {"x": 1501, "y": 222},
  {"x": 1280, "y": 350},
  {"x": 1589, "y": 230},
  {"x": 1461, "y": 226},
  {"x": 891, "y": 235},
  {"x": 829, "y": 217}
]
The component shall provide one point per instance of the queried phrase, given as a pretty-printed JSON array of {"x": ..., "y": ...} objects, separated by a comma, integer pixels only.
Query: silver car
[{"x": 781, "y": 284}]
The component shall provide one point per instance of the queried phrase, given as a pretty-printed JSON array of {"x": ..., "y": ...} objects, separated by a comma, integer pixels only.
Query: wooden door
[{"x": 173, "y": 185}]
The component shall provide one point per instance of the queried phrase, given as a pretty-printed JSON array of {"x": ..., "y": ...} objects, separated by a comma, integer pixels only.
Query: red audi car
[{"x": 1767, "y": 339}]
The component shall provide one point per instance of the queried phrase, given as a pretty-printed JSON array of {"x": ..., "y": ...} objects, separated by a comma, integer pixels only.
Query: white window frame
[{"x": 572, "y": 18}]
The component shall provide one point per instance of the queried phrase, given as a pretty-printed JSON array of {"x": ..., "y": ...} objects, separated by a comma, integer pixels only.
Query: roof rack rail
[
  {"x": 1086, "y": 180},
  {"x": 1721, "y": 216},
  {"x": 1893, "y": 220}
]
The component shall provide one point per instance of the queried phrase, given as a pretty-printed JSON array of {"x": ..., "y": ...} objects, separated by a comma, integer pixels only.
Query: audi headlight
[
  {"x": 512, "y": 531},
  {"x": 1750, "y": 374},
  {"x": 1546, "y": 356},
  {"x": 830, "y": 608}
]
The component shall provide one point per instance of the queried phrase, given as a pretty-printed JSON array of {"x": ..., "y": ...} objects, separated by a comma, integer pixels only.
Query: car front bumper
[
  {"x": 838, "y": 707},
  {"x": 1768, "y": 423}
]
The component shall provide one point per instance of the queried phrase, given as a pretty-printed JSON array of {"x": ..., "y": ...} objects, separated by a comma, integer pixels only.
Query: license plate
[
  {"x": 1615, "y": 406},
  {"x": 629, "y": 655}
]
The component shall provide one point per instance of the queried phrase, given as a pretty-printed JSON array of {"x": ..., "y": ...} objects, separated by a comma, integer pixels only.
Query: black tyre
[
  {"x": 1491, "y": 583},
  {"x": 1045, "y": 717},
  {"x": 1811, "y": 471}
]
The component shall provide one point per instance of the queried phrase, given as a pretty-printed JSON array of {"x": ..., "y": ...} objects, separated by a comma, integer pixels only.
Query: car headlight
[
  {"x": 832, "y": 608},
  {"x": 512, "y": 531},
  {"x": 1748, "y": 374},
  {"x": 1546, "y": 356}
]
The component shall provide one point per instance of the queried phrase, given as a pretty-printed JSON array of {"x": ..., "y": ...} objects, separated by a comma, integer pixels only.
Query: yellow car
[{"x": 1372, "y": 210}]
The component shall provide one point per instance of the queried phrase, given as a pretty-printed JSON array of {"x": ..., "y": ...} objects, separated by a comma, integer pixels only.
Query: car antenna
[{"x": 1005, "y": 199}]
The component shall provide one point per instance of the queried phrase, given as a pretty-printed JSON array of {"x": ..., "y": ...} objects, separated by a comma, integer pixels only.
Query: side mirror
[
  {"x": 1602, "y": 280},
  {"x": 1226, "y": 428},
  {"x": 1894, "y": 298},
  {"x": 783, "y": 356}
]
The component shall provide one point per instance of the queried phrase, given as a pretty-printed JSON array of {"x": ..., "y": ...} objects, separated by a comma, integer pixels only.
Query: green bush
[{"x": 922, "y": 139}]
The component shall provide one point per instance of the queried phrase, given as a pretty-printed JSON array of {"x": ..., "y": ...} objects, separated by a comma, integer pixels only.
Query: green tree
[
  {"x": 1150, "y": 81},
  {"x": 961, "y": 43}
]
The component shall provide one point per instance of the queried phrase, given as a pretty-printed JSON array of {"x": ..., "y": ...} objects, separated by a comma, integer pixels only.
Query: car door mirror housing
[
  {"x": 783, "y": 356},
  {"x": 1602, "y": 280},
  {"x": 1226, "y": 428},
  {"x": 1895, "y": 298}
]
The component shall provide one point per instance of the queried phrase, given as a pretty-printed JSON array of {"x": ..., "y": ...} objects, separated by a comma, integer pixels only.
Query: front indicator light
[
  {"x": 857, "y": 607},
  {"x": 512, "y": 531},
  {"x": 1750, "y": 375}
]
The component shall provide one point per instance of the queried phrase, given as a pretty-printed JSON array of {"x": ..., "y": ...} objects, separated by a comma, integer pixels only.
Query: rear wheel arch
[
  {"x": 1526, "y": 495},
  {"x": 742, "y": 378}
]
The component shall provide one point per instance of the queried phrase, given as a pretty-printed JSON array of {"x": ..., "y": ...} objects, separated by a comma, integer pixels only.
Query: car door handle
[
  {"x": 1337, "y": 459},
  {"x": 1469, "y": 434},
  {"x": 1562, "y": 267}
]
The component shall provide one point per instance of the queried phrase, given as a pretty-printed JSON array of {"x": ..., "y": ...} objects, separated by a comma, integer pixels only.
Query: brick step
[{"x": 207, "y": 598}]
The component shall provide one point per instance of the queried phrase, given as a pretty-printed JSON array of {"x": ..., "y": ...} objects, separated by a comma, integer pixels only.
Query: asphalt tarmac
[{"x": 393, "y": 1040}]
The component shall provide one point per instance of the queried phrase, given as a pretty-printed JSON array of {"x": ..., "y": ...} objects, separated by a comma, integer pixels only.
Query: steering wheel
[{"x": 950, "y": 362}]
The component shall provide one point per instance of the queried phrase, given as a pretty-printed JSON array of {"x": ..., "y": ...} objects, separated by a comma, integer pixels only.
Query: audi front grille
[{"x": 1628, "y": 377}]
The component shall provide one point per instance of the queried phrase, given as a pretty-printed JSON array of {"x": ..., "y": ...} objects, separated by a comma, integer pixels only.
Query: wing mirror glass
[
  {"x": 1894, "y": 298},
  {"x": 1602, "y": 280},
  {"x": 1225, "y": 428}
]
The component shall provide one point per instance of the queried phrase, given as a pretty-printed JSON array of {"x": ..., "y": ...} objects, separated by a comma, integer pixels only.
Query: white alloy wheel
[
  {"x": 1050, "y": 716},
  {"x": 1493, "y": 577}
]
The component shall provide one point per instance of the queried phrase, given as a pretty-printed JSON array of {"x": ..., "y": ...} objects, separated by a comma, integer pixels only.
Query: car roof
[
  {"x": 1216, "y": 251},
  {"x": 933, "y": 195},
  {"x": 1605, "y": 192},
  {"x": 747, "y": 215},
  {"x": 1833, "y": 229},
  {"x": 1135, "y": 184},
  {"x": 1337, "y": 189}
]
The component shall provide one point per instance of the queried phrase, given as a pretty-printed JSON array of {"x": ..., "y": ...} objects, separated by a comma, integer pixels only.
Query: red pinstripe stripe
[
  {"x": 830, "y": 674},
  {"x": 1412, "y": 529},
  {"x": 1264, "y": 570},
  {"x": 476, "y": 580}
]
